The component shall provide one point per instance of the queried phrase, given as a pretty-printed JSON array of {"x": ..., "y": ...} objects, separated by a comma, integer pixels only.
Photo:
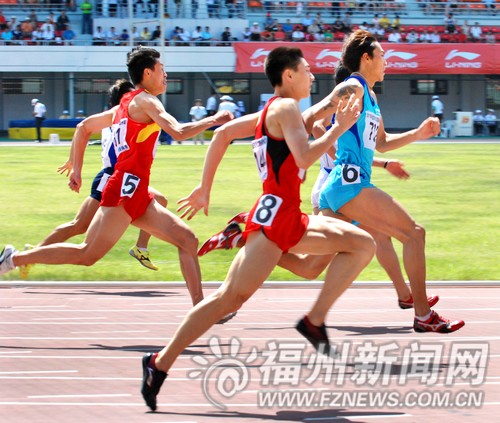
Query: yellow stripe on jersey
[{"x": 146, "y": 132}]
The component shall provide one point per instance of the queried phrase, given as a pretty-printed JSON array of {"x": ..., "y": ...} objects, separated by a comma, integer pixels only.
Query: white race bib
[
  {"x": 267, "y": 209},
  {"x": 372, "y": 123},
  {"x": 129, "y": 185},
  {"x": 259, "y": 148},
  {"x": 120, "y": 136},
  {"x": 350, "y": 174}
]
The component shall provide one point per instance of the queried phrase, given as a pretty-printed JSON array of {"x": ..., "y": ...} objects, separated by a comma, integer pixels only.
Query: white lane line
[
  {"x": 80, "y": 396},
  {"x": 38, "y": 372},
  {"x": 15, "y": 352},
  {"x": 345, "y": 416},
  {"x": 43, "y": 319},
  {"x": 39, "y": 306},
  {"x": 115, "y": 331}
]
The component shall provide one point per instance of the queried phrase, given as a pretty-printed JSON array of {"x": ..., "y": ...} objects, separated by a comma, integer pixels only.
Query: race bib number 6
[
  {"x": 267, "y": 209},
  {"x": 350, "y": 174},
  {"x": 129, "y": 185}
]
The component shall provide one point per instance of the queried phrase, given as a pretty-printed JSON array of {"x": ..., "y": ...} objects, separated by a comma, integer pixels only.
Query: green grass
[{"x": 454, "y": 191}]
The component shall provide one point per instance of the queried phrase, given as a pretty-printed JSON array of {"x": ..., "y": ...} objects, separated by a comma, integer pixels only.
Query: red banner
[{"x": 401, "y": 58}]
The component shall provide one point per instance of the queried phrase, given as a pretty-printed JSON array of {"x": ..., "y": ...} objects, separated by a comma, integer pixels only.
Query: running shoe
[
  {"x": 24, "y": 270},
  {"x": 152, "y": 379},
  {"x": 316, "y": 335},
  {"x": 225, "y": 239},
  {"x": 142, "y": 257},
  {"x": 239, "y": 218},
  {"x": 226, "y": 318},
  {"x": 6, "y": 264},
  {"x": 436, "y": 323},
  {"x": 431, "y": 300}
]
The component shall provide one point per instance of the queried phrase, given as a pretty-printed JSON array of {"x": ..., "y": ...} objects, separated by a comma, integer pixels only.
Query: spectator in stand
[
  {"x": 99, "y": 37},
  {"x": 478, "y": 119},
  {"x": 3, "y": 21},
  {"x": 255, "y": 32},
  {"x": 437, "y": 108},
  {"x": 184, "y": 37},
  {"x": 268, "y": 22},
  {"x": 146, "y": 35},
  {"x": 375, "y": 20},
  {"x": 245, "y": 34},
  {"x": 135, "y": 35},
  {"x": 12, "y": 24},
  {"x": 338, "y": 25},
  {"x": 450, "y": 23},
  {"x": 490, "y": 121},
  {"x": 476, "y": 33},
  {"x": 226, "y": 37},
  {"x": 319, "y": 36},
  {"x": 36, "y": 36},
  {"x": 394, "y": 36},
  {"x": 378, "y": 31},
  {"x": 68, "y": 35},
  {"x": 212, "y": 8},
  {"x": 26, "y": 29},
  {"x": 62, "y": 22},
  {"x": 266, "y": 35},
  {"x": 156, "y": 35},
  {"x": 231, "y": 8},
  {"x": 279, "y": 34},
  {"x": 112, "y": 37},
  {"x": 288, "y": 29},
  {"x": 17, "y": 34},
  {"x": 206, "y": 36},
  {"x": 313, "y": 28},
  {"x": 6, "y": 35},
  {"x": 196, "y": 36},
  {"x": 178, "y": 8},
  {"x": 490, "y": 37},
  {"x": 194, "y": 8},
  {"x": 173, "y": 34},
  {"x": 299, "y": 8},
  {"x": 396, "y": 23},
  {"x": 197, "y": 113},
  {"x": 327, "y": 34},
  {"x": 307, "y": 20},
  {"x": 435, "y": 37},
  {"x": 384, "y": 21},
  {"x": 425, "y": 37},
  {"x": 124, "y": 38},
  {"x": 298, "y": 35},
  {"x": 412, "y": 37},
  {"x": 86, "y": 8},
  {"x": 348, "y": 22},
  {"x": 47, "y": 29}
]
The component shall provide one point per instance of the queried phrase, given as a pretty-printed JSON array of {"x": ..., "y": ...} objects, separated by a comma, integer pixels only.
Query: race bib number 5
[
  {"x": 267, "y": 209},
  {"x": 350, "y": 174},
  {"x": 129, "y": 185}
]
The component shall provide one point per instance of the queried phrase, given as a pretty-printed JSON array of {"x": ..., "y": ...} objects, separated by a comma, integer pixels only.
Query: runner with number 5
[{"x": 126, "y": 199}]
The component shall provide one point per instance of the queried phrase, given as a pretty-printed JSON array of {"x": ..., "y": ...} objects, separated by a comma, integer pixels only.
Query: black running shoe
[
  {"x": 317, "y": 337},
  {"x": 226, "y": 318},
  {"x": 152, "y": 380}
]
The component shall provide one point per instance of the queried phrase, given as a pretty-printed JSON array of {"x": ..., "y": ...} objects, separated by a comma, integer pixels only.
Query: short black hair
[
  {"x": 278, "y": 60},
  {"x": 139, "y": 59}
]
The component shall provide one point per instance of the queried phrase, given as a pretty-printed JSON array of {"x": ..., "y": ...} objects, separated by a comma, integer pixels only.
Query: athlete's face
[
  {"x": 378, "y": 63},
  {"x": 158, "y": 79},
  {"x": 303, "y": 78}
]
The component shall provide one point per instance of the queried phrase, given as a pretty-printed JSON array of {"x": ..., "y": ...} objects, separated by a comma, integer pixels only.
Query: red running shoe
[
  {"x": 436, "y": 323},
  {"x": 431, "y": 300},
  {"x": 225, "y": 239},
  {"x": 239, "y": 218}
]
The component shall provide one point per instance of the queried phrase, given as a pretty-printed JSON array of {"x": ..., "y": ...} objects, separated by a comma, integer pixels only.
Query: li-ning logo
[
  {"x": 404, "y": 59},
  {"x": 259, "y": 52},
  {"x": 326, "y": 53},
  {"x": 255, "y": 62},
  {"x": 455, "y": 59}
]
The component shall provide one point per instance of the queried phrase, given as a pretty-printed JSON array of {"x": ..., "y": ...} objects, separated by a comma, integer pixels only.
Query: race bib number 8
[
  {"x": 267, "y": 209},
  {"x": 350, "y": 174},
  {"x": 259, "y": 148},
  {"x": 129, "y": 185}
]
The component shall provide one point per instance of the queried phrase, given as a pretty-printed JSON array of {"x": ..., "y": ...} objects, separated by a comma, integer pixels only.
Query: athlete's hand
[
  {"x": 65, "y": 168},
  {"x": 429, "y": 128},
  {"x": 75, "y": 181},
  {"x": 220, "y": 118},
  {"x": 396, "y": 168},
  {"x": 347, "y": 113},
  {"x": 193, "y": 202}
]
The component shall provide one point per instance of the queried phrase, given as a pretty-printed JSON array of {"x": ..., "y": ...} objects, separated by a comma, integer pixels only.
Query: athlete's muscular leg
[
  {"x": 144, "y": 237},
  {"x": 168, "y": 227},
  {"x": 77, "y": 226},
  {"x": 106, "y": 229}
]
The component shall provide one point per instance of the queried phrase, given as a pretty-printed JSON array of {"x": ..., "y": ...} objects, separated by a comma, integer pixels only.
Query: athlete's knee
[
  {"x": 415, "y": 233},
  {"x": 189, "y": 242},
  {"x": 88, "y": 257},
  {"x": 230, "y": 300},
  {"x": 364, "y": 245}
]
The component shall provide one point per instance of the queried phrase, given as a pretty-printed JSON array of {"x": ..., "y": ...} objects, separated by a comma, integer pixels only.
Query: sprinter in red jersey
[{"x": 126, "y": 200}]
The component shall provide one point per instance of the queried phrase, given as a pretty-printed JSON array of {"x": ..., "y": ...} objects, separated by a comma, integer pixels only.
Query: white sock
[
  {"x": 143, "y": 249},
  {"x": 424, "y": 318}
]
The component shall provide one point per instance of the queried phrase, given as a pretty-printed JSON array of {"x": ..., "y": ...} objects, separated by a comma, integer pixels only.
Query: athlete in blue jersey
[{"x": 349, "y": 190}]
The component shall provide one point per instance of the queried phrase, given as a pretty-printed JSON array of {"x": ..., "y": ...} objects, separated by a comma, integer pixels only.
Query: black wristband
[{"x": 385, "y": 164}]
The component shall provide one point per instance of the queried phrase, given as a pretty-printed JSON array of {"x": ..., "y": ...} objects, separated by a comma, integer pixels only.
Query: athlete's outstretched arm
[{"x": 242, "y": 127}]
